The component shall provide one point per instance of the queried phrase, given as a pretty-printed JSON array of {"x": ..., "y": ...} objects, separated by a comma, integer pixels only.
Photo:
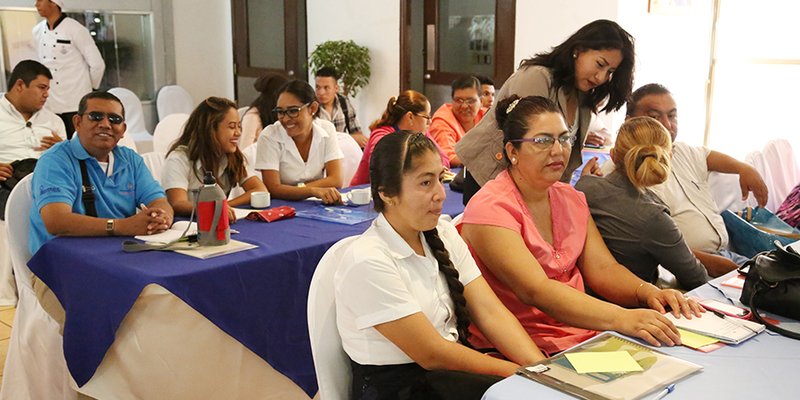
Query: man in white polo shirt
[
  {"x": 66, "y": 47},
  {"x": 686, "y": 192}
]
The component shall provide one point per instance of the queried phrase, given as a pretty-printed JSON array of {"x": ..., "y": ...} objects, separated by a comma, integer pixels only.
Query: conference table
[
  {"x": 184, "y": 325},
  {"x": 764, "y": 366}
]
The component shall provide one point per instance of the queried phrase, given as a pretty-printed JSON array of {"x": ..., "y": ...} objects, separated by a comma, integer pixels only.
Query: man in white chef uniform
[{"x": 66, "y": 48}]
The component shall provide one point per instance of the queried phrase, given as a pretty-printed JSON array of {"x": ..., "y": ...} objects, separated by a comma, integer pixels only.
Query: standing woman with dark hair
[
  {"x": 260, "y": 114},
  {"x": 592, "y": 67},
  {"x": 410, "y": 111},
  {"x": 299, "y": 156},
  {"x": 407, "y": 290},
  {"x": 208, "y": 143}
]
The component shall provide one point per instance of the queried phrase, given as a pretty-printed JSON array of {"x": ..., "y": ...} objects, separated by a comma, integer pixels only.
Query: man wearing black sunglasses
[{"x": 89, "y": 186}]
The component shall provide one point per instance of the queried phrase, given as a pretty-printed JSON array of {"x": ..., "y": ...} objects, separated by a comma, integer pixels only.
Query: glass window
[
  {"x": 466, "y": 36},
  {"x": 265, "y": 28},
  {"x": 125, "y": 41}
]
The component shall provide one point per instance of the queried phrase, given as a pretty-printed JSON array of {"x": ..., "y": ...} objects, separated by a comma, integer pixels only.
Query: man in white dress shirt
[{"x": 66, "y": 47}]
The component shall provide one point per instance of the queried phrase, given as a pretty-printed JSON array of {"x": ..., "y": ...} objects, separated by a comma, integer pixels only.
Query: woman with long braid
[{"x": 407, "y": 290}]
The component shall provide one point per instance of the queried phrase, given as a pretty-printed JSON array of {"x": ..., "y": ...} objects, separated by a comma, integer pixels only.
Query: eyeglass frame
[
  {"x": 549, "y": 141},
  {"x": 98, "y": 116},
  {"x": 428, "y": 117},
  {"x": 470, "y": 101},
  {"x": 295, "y": 110}
]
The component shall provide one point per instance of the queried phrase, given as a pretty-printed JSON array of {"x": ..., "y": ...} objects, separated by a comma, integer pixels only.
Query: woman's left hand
[{"x": 659, "y": 299}]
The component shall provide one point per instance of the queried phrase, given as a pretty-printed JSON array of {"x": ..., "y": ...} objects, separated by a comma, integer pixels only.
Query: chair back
[
  {"x": 136, "y": 130},
  {"x": 352, "y": 156},
  {"x": 331, "y": 363},
  {"x": 154, "y": 161},
  {"x": 242, "y": 111},
  {"x": 18, "y": 208},
  {"x": 783, "y": 169},
  {"x": 173, "y": 99},
  {"x": 167, "y": 132}
]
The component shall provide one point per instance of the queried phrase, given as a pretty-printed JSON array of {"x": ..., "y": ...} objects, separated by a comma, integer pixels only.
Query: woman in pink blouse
[{"x": 537, "y": 245}]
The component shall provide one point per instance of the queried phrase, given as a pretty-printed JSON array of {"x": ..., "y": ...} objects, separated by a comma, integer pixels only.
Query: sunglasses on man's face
[{"x": 113, "y": 119}]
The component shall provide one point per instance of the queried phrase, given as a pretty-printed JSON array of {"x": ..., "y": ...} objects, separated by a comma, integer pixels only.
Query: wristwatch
[
  {"x": 301, "y": 184},
  {"x": 110, "y": 227}
]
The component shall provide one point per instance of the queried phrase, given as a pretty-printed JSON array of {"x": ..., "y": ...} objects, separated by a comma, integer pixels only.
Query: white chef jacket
[{"x": 73, "y": 59}]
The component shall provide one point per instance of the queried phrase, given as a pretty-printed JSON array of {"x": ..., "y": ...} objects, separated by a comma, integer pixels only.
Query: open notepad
[
  {"x": 204, "y": 252},
  {"x": 170, "y": 235},
  {"x": 727, "y": 329}
]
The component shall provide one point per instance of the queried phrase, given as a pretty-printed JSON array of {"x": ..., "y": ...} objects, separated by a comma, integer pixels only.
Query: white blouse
[
  {"x": 277, "y": 151},
  {"x": 178, "y": 174},
  {"x": 381, "y": 279}
]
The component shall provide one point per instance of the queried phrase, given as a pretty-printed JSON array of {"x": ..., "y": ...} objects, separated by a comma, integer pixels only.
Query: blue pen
[{"x": 667, "y": 390}]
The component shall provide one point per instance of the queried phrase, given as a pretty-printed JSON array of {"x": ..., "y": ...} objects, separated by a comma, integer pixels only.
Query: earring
[
  {"x": 514, "y": 160},
  {"x": 574, "y": 54}
]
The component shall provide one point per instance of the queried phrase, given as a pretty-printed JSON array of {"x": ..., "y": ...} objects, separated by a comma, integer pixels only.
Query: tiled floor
[{"x": 6, "y": 318}]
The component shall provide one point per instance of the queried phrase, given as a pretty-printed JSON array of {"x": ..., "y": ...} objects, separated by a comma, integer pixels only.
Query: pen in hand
[{"x": 667, "y": 390}]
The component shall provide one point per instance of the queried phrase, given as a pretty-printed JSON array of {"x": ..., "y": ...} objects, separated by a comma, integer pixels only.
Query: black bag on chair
[
  {"x": 773, "y": 284},
  {"x": 21, "y": 169}
]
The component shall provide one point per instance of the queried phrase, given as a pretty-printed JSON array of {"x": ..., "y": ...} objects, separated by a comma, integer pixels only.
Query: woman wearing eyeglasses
[
  {"x": 208, "y": 143},
  {"x": 299, "y": 156},
  {"x": 634, "y": 222},
  {"x": 591, "y": 71},
  {"x": 538, "y": 247},
  {"x": 410, "y": 111},
  {"x": 453, "y": 120}
]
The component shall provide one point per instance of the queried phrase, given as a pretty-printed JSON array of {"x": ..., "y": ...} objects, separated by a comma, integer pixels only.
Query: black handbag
[
  {"x": 21, "y": 169},
  {"x": 772, "y": 284}
]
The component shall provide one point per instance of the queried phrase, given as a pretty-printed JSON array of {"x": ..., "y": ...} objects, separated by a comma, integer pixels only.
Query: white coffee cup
[
  {"x": 360, "y": 196},
  {"x": 259, "y": 199}
]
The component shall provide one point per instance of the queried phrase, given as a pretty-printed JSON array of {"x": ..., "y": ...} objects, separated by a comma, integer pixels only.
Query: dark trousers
[
  {"x": 410, "y": 381},
  {"x": 67, "y": 118},
  {"x": 470, "y": 187}
]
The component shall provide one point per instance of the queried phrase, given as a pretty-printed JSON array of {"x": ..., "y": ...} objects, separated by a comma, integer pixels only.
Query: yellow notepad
[
  {"x": 603, "y": 361},
  {"x": 695, "y": 340}
]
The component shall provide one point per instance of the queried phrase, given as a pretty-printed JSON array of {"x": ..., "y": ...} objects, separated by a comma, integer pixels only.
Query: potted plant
[{"x": 350, "y": 60}]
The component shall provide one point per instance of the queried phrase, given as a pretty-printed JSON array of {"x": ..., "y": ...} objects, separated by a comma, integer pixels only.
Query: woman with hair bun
[
  {"x": 635, "y": 224},
  {"x": 407, "y": 289},
  {"x": 260, "y": 113},
  {"x": 539, "y": 249},
  {"x": 410, "y": 111}
]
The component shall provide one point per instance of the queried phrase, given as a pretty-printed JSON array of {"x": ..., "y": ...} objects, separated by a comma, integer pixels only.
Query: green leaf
[{"x": 348, "y": 58}]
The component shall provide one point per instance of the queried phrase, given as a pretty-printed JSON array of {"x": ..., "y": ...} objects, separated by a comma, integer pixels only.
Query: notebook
[
  {"x": 204, "y": 252},
  {"x": 726, "y": 329},
  {"x": 657, "y": 370}
]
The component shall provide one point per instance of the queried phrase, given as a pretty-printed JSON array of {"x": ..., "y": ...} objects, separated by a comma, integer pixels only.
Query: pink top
[
  {"x": 446, "y": 131},
  {"x": 499, "y": 203},
  {"x": 361, "y": 176}
]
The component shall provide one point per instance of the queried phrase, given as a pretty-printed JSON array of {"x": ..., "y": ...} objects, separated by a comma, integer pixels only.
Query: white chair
[
  {"x": 154, "y": 162},
  {"x": 352, "y": 156},
  {"x": 726, "y": 192},
  {"x": 173, "y": 99},
  {"x": 784, "y": 171},
  {"x": 331, "y": 363},
  {"x": 136, "y": 135},
  {"x": 242, "y": 110},
  {"x": 167, "y": 132},
  {"x": 35, "y": 367},
  {"x": 8, "y": 287}
]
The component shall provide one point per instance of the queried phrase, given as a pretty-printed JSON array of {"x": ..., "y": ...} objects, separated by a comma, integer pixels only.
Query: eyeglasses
[
  {"x": 470, "y": 101},
  {"x": 546, "y": 142},
  {"x": 291, "y": 112},
  {"x": 426, "y": 116},
  {"x": 97, "y": 116}
]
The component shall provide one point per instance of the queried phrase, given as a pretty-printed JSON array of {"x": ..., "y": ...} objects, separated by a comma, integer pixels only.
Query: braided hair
[{"x": 393, "y": 156}]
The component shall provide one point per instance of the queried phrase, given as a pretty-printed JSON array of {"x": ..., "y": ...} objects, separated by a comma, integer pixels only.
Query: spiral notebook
[{"x": 657, "y": 370}]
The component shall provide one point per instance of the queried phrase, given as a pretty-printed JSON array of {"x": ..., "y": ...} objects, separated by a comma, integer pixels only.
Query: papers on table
[
  {"x": 727, "y": 329},
  {"x": 170, "y": 235},
  {"x": 339, "y": 215},
  {"x": 204, "y": 252}
]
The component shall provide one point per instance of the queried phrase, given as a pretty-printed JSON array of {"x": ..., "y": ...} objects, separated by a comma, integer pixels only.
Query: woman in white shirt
[
  {"x": 208, "y": 143},
  {"x": 408, "y": 288},
  {"x": 299, "y": 156}
]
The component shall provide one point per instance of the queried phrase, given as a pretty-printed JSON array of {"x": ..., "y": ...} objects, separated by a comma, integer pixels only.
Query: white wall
[
  {"x": 371, "y": 23},
  {"x": 203, "y": 48}
]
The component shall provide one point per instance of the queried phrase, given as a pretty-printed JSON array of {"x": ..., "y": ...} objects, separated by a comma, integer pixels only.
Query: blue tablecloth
[
  {"x": 762, "y": 367},
  {"x": 257, "y": 296}
]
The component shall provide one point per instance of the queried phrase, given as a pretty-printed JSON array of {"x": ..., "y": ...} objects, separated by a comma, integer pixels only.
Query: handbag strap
[
  {"x": 770, "y": 326},
  {"x": 88, "y": 191}
]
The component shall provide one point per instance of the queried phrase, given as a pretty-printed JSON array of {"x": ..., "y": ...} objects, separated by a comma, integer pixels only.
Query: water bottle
[{"x": 213, "y": 226}]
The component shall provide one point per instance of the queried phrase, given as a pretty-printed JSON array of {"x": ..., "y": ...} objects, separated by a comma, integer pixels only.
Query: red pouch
[{"x": 272, "y": 214}]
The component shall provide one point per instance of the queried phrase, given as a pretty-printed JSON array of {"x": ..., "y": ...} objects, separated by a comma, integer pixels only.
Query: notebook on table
[
  {"x": 726, "y": 329},
  {"x": 628, "y": 370}
]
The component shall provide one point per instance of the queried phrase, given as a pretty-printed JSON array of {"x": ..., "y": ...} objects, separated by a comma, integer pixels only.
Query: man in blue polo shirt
[{"x": 117, "y": 176}]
